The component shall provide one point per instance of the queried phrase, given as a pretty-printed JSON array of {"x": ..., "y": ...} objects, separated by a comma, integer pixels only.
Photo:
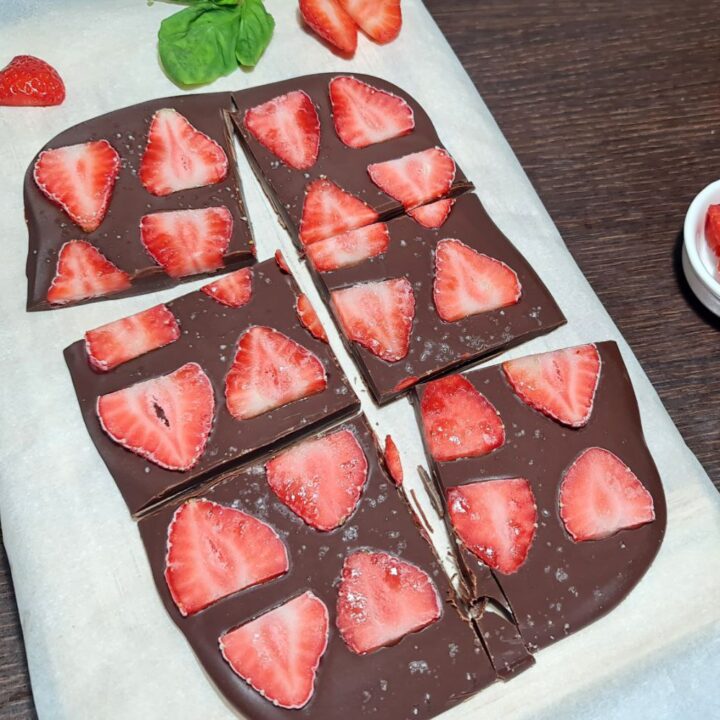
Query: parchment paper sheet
[{"x": 99, "y": 643}]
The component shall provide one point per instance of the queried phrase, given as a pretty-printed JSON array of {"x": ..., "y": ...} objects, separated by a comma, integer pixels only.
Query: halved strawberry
[
  {"x": 29, "y": 81},
  {"x": 560, "y": 384},
  {"x": 281, "y": 263},
  {"x": 179, "y": 157},
  {"x": 330, "y": 21},
  {"x": 83, "y": 272},
  {"x": 321, "y": 479},
  {"x": 187, "y": 242},
  {"x": 364, "y": 115},
  {"x": 712, "y": 230},
  {"x": 233, "y": 290},
  {"x": 279, "y": 652},
  {"x": 80, "y": 179},
  {"x": 289, "y": 127},
  {"x": 496, "y": 520},
  {"x": 381, "y": 599},
  {"x": 468, "y": 282},
  {"x": 117, "y": 342},
  {"x": 350, "y": 248},
  {"x": 270, "y": 370},
  {"x": 392, "y": 461},
  {"x": 166, "y": 420},
  {"x": 458, "y": 421},
  {"x": 417, "y": 178},
  {"x": 329, "y": 210},
  {"x": 309, "y": 319},
  {"x": 600, "y": 496},
  {"x": 214, "y": 551},
  {"x": 433, "y": 215},
  {"x": 380, "y": 19},
  {"x": 378, "y": 315}
]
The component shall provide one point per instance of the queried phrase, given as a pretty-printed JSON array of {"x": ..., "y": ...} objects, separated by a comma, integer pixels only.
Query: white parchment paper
[{"x": 99, "y": 643}]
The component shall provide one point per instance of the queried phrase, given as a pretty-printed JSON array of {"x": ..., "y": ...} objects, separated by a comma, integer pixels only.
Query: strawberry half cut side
[
  {"x": 350, "y": 248},
  {"x": 600, "y": 496},
  {"x": 382, "y": 599},
  {"x": 118, "y": 342},
  {"x": 392, "y": 461},
  {"x": 379, "y": 19},
  {"x": 328, "y": 19},
  {"x": 320, "y": 480},
  {"x": 309, "y": 319},
  {"x": 214, "y": 551},
  {"x": 279, "y": 652},
  {"x": 458, "y": 421},
  {"x": 80, "y": 179},
  {"x": 561, "y": 384},
  {"x": 433, "y": 215},
  {"x": 166, "y": 420},
  {"x": 233, "y": 290}
]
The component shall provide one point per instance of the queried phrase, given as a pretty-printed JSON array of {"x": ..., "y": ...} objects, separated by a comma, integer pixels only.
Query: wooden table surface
[{"x": 613, "y": 108}]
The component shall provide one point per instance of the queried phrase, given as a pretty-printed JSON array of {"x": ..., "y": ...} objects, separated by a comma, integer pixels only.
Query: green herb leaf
[{"x": 255, "y": 31}]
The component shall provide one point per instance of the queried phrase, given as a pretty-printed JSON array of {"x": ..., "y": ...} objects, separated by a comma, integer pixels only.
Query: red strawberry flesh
[
  {"x": 433, "y": 215},
  {"x": 712, "y": 231},
  {"x": 392, "y": 461},
  {"x": 309, "y": 319},
  {"x": 30, "y": 81},
  {"x": 379, "y": 19},
  {"x": 328, "y": 19},
  {"x": 281, "y": 262},
  {"x": 233, "y": 290},
  {"x": 350, "y": 248}
]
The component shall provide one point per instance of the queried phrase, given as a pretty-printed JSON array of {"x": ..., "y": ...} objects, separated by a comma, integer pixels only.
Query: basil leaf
[{"x": 255, "y": 31}]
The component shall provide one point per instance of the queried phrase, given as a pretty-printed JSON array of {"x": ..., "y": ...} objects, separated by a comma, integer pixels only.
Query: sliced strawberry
[
  {"x": 320, "y": 479},
  {"x": 279, "y": 652},
  {"x": 496, "y": 520},
  {"x": 364, "y": 115},
  {"x": 392, "y": 461},
  {"x": 289, "y": 127},
  {"x": 712, "y": 230},
  {"x": 309, "y": 319},
  {"x": 270, "y": 370},
  {"x": 117, "y": 342},
  {"x": 468, "y": 282},
  {"x": 433, "y": 215},
  {"x": 233, "y": 290},
  {"x": 415, "y": 179},
  {"x": 179, "y": 157},
  {"x": 381, "y": 599},
  {"x": 600, "y": 496},
  {"x": 405, "y": 383},
  {"x": 380, "y": 19},
  {"x": 214, "y": 551},
  {"x": 560, "y": 384},
  {"x": 350, "y": 248},
  {"x": 378, "y": 315},
  {"x": 30, "y": 81},
  {"x": 329, "y": 210},
  {"x": 282, "y": 264},
  {"x": 166, "y": 420},
  {"x": 458, "y": 421},
  {"x": 80, "y": 179},
  {"x": 84, "y": 272},
  {"x": 329, "y": 20},
  {"x": 187, "y": 242}
]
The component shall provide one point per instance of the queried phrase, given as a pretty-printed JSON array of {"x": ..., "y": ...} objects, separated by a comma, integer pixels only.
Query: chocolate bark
[
  {"x": 209, "y": 333},
  {"x": 118, "y": 237},
  {"x": 422, "y": 675},
  {"x": 564, "y": 585}
]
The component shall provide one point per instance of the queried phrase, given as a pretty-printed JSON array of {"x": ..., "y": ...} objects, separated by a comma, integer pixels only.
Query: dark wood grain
[{"x": 613, "y": 108}]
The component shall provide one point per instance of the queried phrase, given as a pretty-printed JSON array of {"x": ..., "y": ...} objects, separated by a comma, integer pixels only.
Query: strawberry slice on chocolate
[
  {"x": 382, "y": 599},
  {"x": 289, "y": 127},
  {"x": 328, "y": 19},
  {"x": 187, "y": 242},
  {"x": 469, "y": 283},
  {"x": 128, "y": 338},
  {"x": 179, "y": 157},
  {"x": 309, "y": 319},
  {"x": 83, "y": 272},
  {"x": 600, "y": 496},
  {"x": 561, "y": 384},
  {"x": 233, "y": 290},
  {"x": 281, "y": 262},
  {"x": 417, "y": 178},
  {"x": 496, "y": 520},
  {"x": 458, "y": 421},
  {"x": 320, "y": 480},
  {"x": 350, "y": 248},
  {"x": 392, "y": 461},
  {"x": 365, "y": 115},
  {"x": 214, "y": 551},
  {"x": 270, "y": 370},
  {"x": 379, "y": 19},
  {"x": 166, "y": 420},
  {"x": 433, "y": 215},
  {"x": 80, "y": 179},
  {"x": 279, "y": 652}
]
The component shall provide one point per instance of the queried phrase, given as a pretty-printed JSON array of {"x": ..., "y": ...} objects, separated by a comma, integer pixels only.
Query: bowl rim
[{"x": 699, "y": 206}]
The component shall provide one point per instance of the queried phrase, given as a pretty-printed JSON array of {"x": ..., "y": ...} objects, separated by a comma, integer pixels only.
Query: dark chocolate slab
[
  {"x": 423, "y": 675},
  {"x": 209, "y": 333},
  {"x": 118, "y": 237},
  {"x": 563, "y": 585},
  {"x": 437, "y": 346},
  {"x": 347, "y": 167}
]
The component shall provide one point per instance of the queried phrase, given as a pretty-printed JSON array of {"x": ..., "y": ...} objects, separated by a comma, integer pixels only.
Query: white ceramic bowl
[{"x": 699, "y": 263}]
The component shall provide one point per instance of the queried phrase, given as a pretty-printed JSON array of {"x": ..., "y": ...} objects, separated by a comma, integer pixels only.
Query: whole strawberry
[{"x": 27, "y": 80}]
